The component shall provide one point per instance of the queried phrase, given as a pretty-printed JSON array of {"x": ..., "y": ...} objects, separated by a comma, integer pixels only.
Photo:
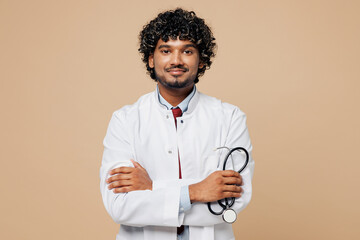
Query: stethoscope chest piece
[{"x": 229, "y": 215}]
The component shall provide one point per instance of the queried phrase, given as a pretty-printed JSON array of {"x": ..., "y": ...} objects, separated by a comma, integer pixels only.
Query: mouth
[{"x": 176, "y": 71}]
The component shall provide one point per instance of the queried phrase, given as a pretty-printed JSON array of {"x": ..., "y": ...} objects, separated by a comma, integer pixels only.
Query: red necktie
[{"x": 177, "y": 113}]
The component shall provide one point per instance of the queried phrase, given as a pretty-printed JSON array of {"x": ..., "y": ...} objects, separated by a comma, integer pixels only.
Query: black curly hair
[{"x": 173, "y": 24}]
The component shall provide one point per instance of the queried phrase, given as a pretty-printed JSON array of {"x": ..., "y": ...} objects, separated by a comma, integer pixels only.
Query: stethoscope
[{"x": 228, "y": 214}]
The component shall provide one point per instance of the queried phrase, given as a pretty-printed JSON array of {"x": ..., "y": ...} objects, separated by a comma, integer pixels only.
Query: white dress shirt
[{"x": 145, "y": 132}]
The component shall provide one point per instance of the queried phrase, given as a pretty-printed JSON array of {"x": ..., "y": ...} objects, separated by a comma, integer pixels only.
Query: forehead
[{"x": 177, "y": 43}]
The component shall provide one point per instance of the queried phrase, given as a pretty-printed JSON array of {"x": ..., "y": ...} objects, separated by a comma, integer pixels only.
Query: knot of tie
[{"x": 176, "y": 112}]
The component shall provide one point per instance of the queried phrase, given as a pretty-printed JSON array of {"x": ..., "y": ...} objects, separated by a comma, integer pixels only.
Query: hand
[
  {"x": 127, "y": 179},
  {"x": 218, "y": 185}
]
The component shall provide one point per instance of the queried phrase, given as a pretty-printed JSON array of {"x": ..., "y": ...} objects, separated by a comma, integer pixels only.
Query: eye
[
  {"x": 188, "y": 52},
  {"x": 165, "y": 51}
]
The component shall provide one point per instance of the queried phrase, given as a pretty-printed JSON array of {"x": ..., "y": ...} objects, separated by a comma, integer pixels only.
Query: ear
[
  {"x": 151, "y": 61},
  {"x": 201, "y": 65}
]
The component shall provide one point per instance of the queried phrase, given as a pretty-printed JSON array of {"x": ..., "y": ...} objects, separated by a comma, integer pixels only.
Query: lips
[{"x": 176, "y": 70}]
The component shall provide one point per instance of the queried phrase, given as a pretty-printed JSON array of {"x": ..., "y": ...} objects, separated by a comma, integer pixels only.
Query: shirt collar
[{"x": 183, "y": 105}]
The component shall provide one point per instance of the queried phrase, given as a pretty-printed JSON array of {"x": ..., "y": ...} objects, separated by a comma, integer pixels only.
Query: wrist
[{"x": 193, "y": 193}]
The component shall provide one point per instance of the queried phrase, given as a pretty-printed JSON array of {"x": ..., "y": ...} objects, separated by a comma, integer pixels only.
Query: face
[{"x": 175, "y": 62}]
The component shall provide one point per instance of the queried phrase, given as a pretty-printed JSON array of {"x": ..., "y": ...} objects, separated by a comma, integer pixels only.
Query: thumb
[{"x": 136, "y": 164}]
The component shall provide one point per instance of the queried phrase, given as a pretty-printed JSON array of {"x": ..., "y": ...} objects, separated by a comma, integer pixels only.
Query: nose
[{"x": 176, "y": 58}]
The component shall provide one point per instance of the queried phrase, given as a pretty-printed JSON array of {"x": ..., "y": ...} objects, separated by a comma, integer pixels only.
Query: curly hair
[{"x": 173, "y": 24}]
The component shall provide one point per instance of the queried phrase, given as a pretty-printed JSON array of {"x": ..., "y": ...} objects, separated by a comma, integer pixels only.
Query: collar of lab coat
[{"x": 191, "y": 107}]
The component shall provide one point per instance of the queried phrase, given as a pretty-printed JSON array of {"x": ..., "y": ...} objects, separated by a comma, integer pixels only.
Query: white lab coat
[{"x": 145, "y": 132}]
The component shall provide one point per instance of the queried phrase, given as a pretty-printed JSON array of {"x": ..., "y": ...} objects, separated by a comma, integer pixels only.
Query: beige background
[{"x": 292, "y": 66}]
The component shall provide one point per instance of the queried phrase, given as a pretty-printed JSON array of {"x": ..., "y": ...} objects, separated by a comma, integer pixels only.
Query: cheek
[
  {"x": 195, "y": 66},
  {"x": 194, "y": 63},
  {"x": 159, "y": 63}
]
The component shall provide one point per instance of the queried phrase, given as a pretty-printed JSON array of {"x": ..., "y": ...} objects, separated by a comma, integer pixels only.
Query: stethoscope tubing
[{"x": 232, "y": 201}]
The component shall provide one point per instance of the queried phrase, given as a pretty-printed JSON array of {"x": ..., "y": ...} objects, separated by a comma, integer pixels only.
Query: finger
[
  {"x": 121, "y": 170},
  {"x": 230, "y": 173},
  {"x": 122, "y": 190},
  {"x": 233, "y": 180},
  {"x": 232, "y": 188},
  {"x": 117, "y": 177},
  {"x": 119, "y": 184},
  {"x": 231, "y": 194},
  {"x": 136, "y": 164}
]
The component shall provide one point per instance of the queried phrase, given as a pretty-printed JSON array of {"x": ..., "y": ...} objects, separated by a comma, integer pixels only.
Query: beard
[{"x": 174, "y": 84}]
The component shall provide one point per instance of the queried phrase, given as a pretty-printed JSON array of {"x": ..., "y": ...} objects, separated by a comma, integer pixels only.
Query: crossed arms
[
  {"x": 132, "y": 198},
  {"x": 218, "y": 185}
]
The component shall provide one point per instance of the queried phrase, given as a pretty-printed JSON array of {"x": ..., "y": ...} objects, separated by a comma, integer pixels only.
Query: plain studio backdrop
[{"x": 292, "y": 66}]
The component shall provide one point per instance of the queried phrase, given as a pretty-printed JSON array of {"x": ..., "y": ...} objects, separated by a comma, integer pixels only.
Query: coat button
[
  {"x": 182, "y": 121},
  {"x": 170, "y": 152},
  {"x": 167, "y": 116}
]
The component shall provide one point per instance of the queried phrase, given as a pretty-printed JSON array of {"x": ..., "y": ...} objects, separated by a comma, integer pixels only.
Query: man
[{"x": 159, "y": 167}]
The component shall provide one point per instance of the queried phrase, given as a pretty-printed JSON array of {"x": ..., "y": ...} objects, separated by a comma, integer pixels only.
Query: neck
[{"x": 175, "y": 96}]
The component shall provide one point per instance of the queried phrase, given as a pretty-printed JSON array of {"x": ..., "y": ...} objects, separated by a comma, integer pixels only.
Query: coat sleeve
[
  {"x": 237, "y": 136},
  {"x": 137, "y": 208}
]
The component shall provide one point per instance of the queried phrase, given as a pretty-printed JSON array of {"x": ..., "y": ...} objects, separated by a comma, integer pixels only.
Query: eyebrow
[{"x": 185, "y": 46}]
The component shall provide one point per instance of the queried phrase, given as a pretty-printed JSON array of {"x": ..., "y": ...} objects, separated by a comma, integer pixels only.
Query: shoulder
[
  {"x": 217, "y": 105},
  {"x": 132, "y": 110}
]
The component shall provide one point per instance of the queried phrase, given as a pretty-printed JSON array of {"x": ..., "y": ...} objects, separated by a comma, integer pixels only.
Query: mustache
[{"x": 178, "y": 67}]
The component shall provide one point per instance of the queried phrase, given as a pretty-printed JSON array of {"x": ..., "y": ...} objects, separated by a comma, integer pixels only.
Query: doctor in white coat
[{"x": 159, "y": 167}]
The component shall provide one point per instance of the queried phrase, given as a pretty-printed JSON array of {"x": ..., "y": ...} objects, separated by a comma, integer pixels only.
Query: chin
[{"x": 176, "y": 83}]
